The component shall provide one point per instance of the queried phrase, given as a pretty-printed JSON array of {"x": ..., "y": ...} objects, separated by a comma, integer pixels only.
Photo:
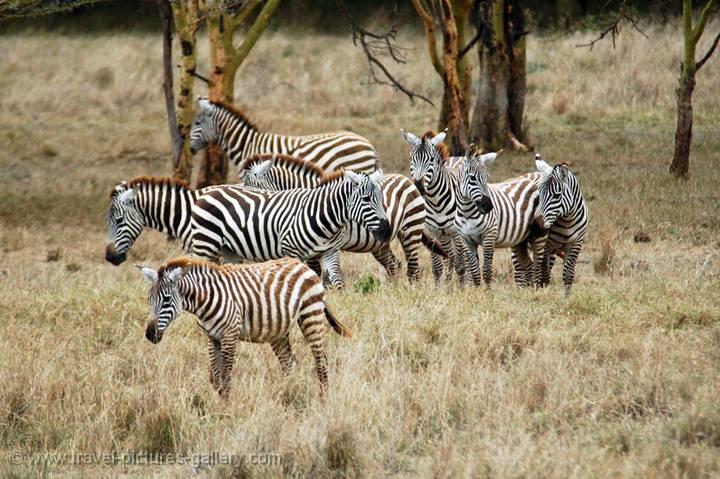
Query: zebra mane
[
  {"x": 441, "y": 148},
  {"x": 291, "y": 162},
  {"x": 202, "y": 264},
  {"x": 331, "y": 177},
  {"x": 236, "y": 112},
  {"x": 160, "y": 181}
]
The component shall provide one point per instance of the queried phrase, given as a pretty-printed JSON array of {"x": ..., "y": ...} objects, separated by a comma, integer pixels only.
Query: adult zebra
[
  {"x": 230, "y": 128},
  {"x": 403, "y": 204},
  {"x": 256, "y": 303},
  {"x": 498, "y": 215},
  {"x": 160, "y": 203},
  {"x": 248, "y": 223},
  {"x": 565, "y": 214},
  {"x": 436, "y": 176}
]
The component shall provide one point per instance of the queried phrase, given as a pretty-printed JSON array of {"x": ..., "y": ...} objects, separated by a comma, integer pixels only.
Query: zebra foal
[
  {"x": 238, "y": 136},
  {"x": 256, "y": 303}
]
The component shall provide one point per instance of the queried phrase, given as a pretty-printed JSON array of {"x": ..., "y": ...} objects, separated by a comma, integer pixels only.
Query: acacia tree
[
  {"x": 224, "y": 18},
  {"x": 680, "y": 165}
]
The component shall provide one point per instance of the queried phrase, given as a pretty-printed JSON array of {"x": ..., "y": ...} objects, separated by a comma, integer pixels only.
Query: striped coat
[
  {"x": 256, "y": 303},
  {"x": 403, "y": 204},
  {"x": 498, "y": 216},
  {"x": 240, "y": 138},
  {"x": 564, "y": 213}
]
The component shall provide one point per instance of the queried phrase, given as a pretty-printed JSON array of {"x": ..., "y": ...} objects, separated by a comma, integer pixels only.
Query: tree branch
[
  {"x": 257, "y": 28},
  {"x": 429, "y": 25},
  {"x": 376, "y": 45},
  {"x": 199, "y": 76},
  {"x": 709, "y": 53},
  {"x": 702, "y": 21},
  {"x": 613, "y": 27},
  {"x": 472, "y": 42}
]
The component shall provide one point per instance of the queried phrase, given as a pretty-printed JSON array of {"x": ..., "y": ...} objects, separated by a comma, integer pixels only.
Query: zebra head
[
  {"x": 165, "y": 300},
  {"x": 474, "y": 179},
  {"x": 256, "y": 175},
  {"x": 204, "y": 128},
  {"x": 366, "y": 205},
  {"x": 125, "y": 223},
  {"x": 552, "y": 191},
  {"x": 425, "y": 158}
]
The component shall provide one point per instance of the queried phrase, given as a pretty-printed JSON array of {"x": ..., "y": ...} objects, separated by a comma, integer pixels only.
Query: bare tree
[
  {"x": 223, "y": 20},
  {"x": 680, "y": 165}
]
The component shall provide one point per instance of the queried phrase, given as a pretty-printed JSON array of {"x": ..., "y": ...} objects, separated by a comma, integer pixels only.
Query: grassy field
[{"x": 620, "y": 379}]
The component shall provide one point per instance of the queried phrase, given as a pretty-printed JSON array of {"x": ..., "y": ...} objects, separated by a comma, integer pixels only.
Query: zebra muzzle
[
  {"x": 383, "y": 231},
  {"x": 484, "y": 205},
  {"x": 152, "y": 334},
  {"x": 113, "y": 256}
]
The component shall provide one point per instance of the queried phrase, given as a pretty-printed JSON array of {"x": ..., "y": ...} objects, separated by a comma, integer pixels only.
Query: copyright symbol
[{"x": 16, "y": 458}]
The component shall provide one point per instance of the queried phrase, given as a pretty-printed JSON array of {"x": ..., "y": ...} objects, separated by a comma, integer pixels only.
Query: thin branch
[
  {"x": 613, "y": 27},
  {"x": 709, "y": 53},
  {"x": 377, "y": 45},
  {"x": 702, "y": 21},
  {"x": 199, "y": 76},
  {"x": 472, "y": 42}
]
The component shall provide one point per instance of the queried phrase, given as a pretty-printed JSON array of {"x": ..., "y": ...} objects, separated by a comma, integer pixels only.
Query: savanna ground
[{"x": 621, "y": 379}]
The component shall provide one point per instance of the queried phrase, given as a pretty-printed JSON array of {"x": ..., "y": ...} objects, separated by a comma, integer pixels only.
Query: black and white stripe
[
  {"x": 498, "y": 215},
  {"x": 256, "y": 303},
  {"x": 248, "y": 223},
  {"x": 240, "y": 138},
  {"x": 564, "y": 213},
  {"x": 436, "y": 176},
  {"x": 160, "y": 203},
  {"x": 403, "y": 204}
]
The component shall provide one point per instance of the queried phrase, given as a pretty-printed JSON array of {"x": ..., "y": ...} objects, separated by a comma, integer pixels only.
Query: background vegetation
[{"x": 622, "y": 378}]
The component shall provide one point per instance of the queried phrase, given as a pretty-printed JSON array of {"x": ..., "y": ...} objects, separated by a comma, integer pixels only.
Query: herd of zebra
[{"x": 302, "y": 200}]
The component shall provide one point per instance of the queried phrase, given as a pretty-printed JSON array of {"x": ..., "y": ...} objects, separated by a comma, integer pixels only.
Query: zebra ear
[
  {"x": 262, "y": 169},
  {"x": 149, "y": 273},
  {"x": 127, "y": 197},
  {"x": 489, "y": 157},
  {"x": 564, "y": 172},
  {"x": 409, "y": 138},
  {"x": 541, "y": 165},
  {"x": 177, "y": 274},
  {"x": 203, "y": 102},
  {"x": 377, "y": 175},
  {"x": 439, "y": 138},
  {"x": 351, "y": 175}
]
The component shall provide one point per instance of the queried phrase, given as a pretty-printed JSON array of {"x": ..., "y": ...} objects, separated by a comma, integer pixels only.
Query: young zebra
[
  {"x": 564, "y": 212},
  {"x": 436, "y": 176},
  {"x": 255, "y": 303},
  {"x": 498, "y": 215},
  {"x": 403, "y": 204},
  {"x": 156, "y": 202},
  {"x": 259, "y": 225},
  {"x": 240, "y": 138}
]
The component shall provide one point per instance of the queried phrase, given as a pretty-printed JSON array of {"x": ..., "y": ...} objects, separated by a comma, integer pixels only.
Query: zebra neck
[
  {"x": 235, "y": 136},
  {"x": 577, "y": 202},
  {"x": 441, "y": 192},
  {"x": 167, "y": 209},
  {"x": 327, "y": 208}
]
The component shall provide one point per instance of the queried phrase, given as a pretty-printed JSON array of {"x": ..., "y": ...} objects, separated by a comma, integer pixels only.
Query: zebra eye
[{"x": 366, "y": 198}]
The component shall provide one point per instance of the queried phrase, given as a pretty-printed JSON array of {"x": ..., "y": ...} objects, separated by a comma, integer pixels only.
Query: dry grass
[{"x": 621, "y": 379}]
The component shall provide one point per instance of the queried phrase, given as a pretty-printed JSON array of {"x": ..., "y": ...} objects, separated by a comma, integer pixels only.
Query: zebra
[
  {"x": 403, "y": 204},
  {"x": 564, "y": 213},
  {"x": 436, "y": 176},
  {"x": 229, "y": 127},
  {"x": 251, "y": 224},
  {"x": 148, "y": 201},
  {"x": 255, "y": 303},
  {"x": 498, "y": 215}
]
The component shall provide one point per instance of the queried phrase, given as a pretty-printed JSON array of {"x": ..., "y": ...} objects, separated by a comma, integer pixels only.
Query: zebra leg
[
  {"x": 460, "y": 256},
  {"x": 472, "y": 260},
  {"x": 330, "y": 263},
  {"x": 488, "y": 253},
  {"x": 388, "y": 260},
  {"x": 538, "y": 263},
  {"x": 411, "y": 248},
  {"x": 283, "y": 351},
  {"x": 314, "y": 264},
  {"x": 569, "y": 266},
  {"x": 312, "y": 325},
  {"x": 548, "y": 260},
  {"x": 227, "y": 351},
  {"x": 215, "y": 361},
  {"x": 522, "y": 264},
  {"x": 446, "y": 242}
]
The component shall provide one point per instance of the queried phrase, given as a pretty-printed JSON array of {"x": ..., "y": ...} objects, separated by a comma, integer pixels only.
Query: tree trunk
[
  {"x": 517, "y": 87},
  {"x": 461, "y": 11},
  {"x": 680, "y": 166},
  {"x": 185, "y": 18},
  {"x": 166, "y": 20},
  {"x": 490, "y": 119}
]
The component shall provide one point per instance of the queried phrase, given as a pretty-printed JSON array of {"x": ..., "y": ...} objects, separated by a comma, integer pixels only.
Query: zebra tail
[
  {"x": 339, "y": 327},
  {"x": 433, "y": 245}
]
